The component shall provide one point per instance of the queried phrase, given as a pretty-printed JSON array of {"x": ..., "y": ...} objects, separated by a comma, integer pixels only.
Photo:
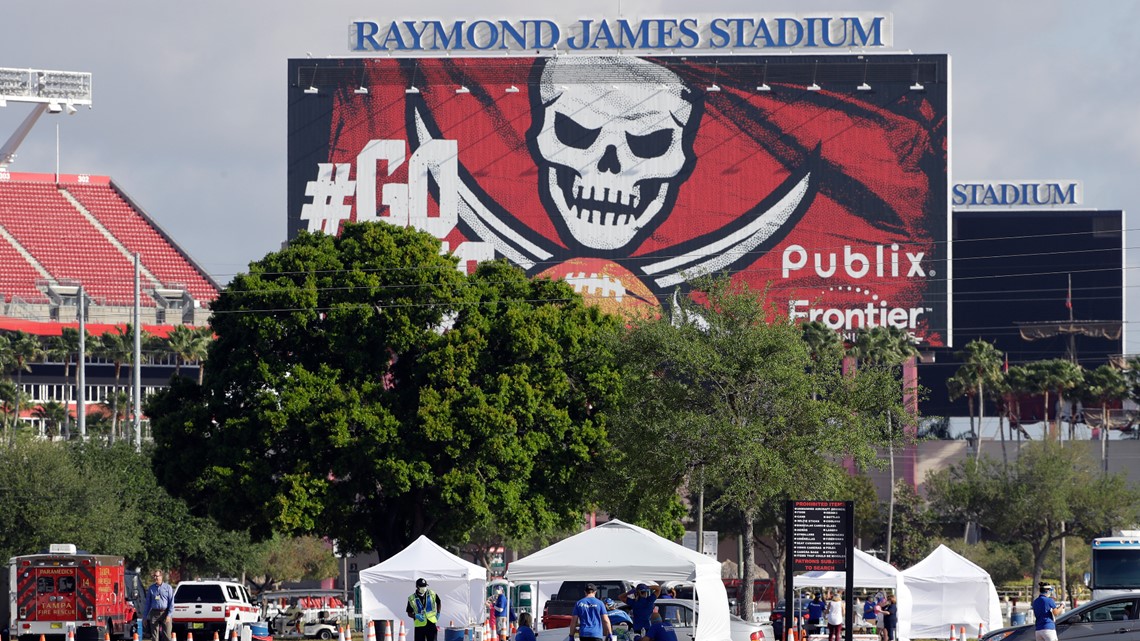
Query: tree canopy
[
  {"x": 727, "y": 387},
  {"x": 362, "y": 388}
]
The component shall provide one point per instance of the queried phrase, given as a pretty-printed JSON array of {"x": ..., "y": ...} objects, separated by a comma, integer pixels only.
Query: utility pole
[{"x": 138, "y": 362}]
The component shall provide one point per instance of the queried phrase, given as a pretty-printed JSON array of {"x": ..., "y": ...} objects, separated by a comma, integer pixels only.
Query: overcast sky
[{"x": 190, "y": 97}]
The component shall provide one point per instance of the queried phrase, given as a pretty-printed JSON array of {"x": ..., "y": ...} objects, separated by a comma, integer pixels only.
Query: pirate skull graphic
[{"x": 611, "y": 156}]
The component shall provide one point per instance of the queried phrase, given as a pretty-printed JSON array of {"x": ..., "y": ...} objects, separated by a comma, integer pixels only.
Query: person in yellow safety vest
[{"x": 423, "y": 607}]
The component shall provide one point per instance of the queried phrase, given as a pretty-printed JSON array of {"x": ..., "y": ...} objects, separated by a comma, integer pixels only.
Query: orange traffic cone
[
  {"x": 348, "y": 633},
  {"x": 340, "y": 633},
  {"x": 233, "y": 635},
  {"x": 134, "y": 636},
  {"x": 403, "y": 635},
  {"x": 41, "y": 637},
  {"x": 952, "y": 637},
  {"x": 173, "y": 636},
  {"x": 189, "y": 636},
  {"x": 106, "y": 635},
  {"x": 981, "y": 629},
  {"x": 961, "y": 633}
]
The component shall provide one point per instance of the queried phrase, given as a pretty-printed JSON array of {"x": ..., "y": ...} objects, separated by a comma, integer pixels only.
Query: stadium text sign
[
  {"x": 1026, "y": 193},
  {"x": 859, "y": 30},
  {"x": 633, "y": 177}
]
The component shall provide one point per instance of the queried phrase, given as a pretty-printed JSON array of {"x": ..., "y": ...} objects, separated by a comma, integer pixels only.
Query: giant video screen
[{"x": 821, "y": 180}]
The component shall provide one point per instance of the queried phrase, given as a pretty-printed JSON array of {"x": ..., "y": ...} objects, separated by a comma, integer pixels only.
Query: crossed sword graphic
[{"x": 733, "y": 246}]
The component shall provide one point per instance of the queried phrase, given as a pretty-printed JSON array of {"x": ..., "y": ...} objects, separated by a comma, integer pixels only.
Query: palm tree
[
  {"x": 54, "y": 415},
  {"x": 886, "y": 347},
  {"x": 118, "y": 347},
  {"x": 189, "y": 344},
  {"x": 12, "y": 400},
  {"x": 118, "y": 407},
  {"x": 24, "y": 349},
  {"x": 981, "y": 369},
  {"x": 1019, "y": 381},
  {"x": 205, "y": 338},
  {"x": 1104, "y": 385},
  {"x": 1055, "y": 375},
  {"x": 65, "y": 347}
]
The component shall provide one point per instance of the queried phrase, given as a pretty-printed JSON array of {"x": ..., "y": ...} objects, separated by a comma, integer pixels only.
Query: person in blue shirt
[
  {"x": 1045, "y": 611},
  {"x": 660, "y": 630},
  {"x": 869, "y": 611},
  {"x": 589, "y": 620},
  {"x": 814, "y": 614},
  {"x": 158, "y": 607},
  {"x": 617, "y": 616},
  {"x": 641, "y": 601},
  {"x": 525, "y": 632},
  {"x": 502, "y": 617}
]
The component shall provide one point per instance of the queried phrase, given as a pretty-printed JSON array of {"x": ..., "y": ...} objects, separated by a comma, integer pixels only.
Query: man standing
[
  {"x": 502, "y": 614},
  {"x": 1045, "y": 611},
  {"x": 159, "y": 605},
  {"x": 589, "y": 620},
  {"x": 423, "y": 607},
  {"x": 641, "y": 601}
]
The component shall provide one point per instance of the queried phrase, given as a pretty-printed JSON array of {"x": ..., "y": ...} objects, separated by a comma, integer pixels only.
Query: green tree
[
  {"x": 980, "y": 370},
  {"x": 912, "y": 536},
  {"x": 1047, "y": 486},
  {"x": 54, "y": 415},
  {"x": 24, "y": 349},
  {"x": 64, "y": 348},
  {"x": 1054, "y": 376},
  {"x": 362, "y": 388},
  {"x": 1102, "y": 386},
  {"x": 118, "y": 346},
  {"x": 189, "y": 344},
  {"x": 301, "y": 558},
  {"x": 13, "y": 399},
  {"x": 728, "y": 386},
  {"x": 890, "y": 348}
]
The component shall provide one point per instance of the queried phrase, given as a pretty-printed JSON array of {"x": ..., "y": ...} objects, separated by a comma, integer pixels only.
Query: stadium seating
[
  {"x": 138, "y": 234},
  {"x": 38, "y": 214}
]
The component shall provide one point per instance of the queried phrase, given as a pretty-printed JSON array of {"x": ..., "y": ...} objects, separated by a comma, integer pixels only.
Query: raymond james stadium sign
[{"x": 744, "y": 33}]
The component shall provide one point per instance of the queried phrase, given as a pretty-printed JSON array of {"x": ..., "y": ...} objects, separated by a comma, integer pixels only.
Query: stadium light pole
[
  {"x": 81, "y": 373},
  {"x": 138, "y": 361}
]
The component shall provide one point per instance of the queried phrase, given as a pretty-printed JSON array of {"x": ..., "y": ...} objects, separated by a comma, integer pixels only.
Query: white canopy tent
[
  {"x": 617, "y": 551},
  {"x": 948, "y": 589},
  {"x": 869, "y": 573},
  {"x": 461, "y": 586}
]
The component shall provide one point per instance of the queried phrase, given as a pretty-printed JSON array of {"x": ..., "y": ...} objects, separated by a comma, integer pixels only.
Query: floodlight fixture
[
  {"x": 512, "y": 89},
  {"x": 462, "y": 89},
  {"x": 412, "y": 89},
  {"x": 311, "y": 90},
  {"x": 361, "y": 90},
  {"x": 44, "y": 87},
  {"x": 70, "y": 109},
  {"x": 54, "y": 108},
  {"x": 714, "y": 87},
  {"x": 864, "y": 87},
  {"x": 763, "y": 87},
  {"x": 813, "y": 87},
  {"x": 918, "y": 86}
]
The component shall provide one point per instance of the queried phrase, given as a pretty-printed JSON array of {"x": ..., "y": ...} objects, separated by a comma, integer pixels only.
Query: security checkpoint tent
[
  {"x": 620, "y": 551},
  {"x": 386, "y": 586},
  {"x": 948, "y": 589},
  {"x": 869, "y": 573}
]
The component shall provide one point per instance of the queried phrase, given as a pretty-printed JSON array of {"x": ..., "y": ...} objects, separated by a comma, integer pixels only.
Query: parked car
[
  {"x": 778, "y": 616},
  {"x": 556, "y": 612},
  {"x": 204, "y": 607},
  {"x": 1109, "y": 619},
  {"x": 681, "y": 613}
]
